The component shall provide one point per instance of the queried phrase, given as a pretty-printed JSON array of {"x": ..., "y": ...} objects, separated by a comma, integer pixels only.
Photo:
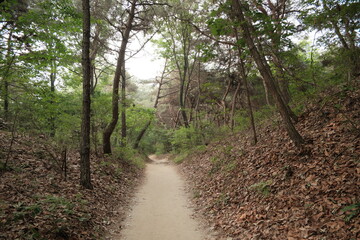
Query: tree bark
[
  {"x": 94, "y": 49},
  {"x": 123, "y": 104},
  {"x": 52, "y": 98},
  {"x": 85, "y": 178},
  {"x": 264, "y": 69},
  {"x": 183, "y": 70},
  {"x": 244, "y": 77},
  {"x": 119, "y": 72},
  {"x": 223, "y": 102},
  {"x": 9, "y": 63},
  {"x": 233, "y": 103},
  {"x": 182, "y": 95}
]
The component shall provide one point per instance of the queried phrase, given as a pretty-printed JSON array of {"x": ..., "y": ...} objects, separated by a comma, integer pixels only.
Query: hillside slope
[
  {"x": 273, "y": 190},
  {"x": 38, "y": 202}
]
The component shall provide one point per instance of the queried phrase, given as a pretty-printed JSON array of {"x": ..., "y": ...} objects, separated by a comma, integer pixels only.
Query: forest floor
[
  {"x": 37, "y": 200},
  {"x": 161, "y": 208},
  {"x": 272, "y": 190}
]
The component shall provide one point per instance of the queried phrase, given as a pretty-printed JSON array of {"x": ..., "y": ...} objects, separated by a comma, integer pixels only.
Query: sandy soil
[{"x": 161, "y": 210}]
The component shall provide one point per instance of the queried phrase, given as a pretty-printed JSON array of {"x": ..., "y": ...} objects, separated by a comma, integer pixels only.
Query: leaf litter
[
  {"x": 275, "y": 191},
  {"x": 37, "y": 202}
]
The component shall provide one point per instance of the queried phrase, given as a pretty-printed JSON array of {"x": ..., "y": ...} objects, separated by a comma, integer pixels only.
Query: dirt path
[{"x": 161, "y": 210}]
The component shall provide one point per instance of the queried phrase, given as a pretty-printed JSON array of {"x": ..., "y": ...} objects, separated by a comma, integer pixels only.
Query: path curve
[{"x": 161, "y": 211}]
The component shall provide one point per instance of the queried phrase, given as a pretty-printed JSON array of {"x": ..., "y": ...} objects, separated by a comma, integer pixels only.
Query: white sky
[{"x": 146, "y": 65}]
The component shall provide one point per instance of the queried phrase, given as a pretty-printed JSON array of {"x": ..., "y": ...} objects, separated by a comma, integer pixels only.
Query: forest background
[{"x": 229, "y": 67}]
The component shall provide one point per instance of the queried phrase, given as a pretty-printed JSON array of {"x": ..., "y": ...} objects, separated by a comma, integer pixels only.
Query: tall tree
[
  {"x": 85, "y": 178},
  {"x": 256, "y": 51},
  {"x": 178, "y": 45},
  {"x": 120, "y": 72}
]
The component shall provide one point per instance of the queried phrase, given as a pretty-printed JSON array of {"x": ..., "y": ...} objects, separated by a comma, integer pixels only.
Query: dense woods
[{"x": 230, "y": 68}]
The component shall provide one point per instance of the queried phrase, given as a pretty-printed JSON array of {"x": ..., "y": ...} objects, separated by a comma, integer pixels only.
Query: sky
[{"x": 146, "y": 65}]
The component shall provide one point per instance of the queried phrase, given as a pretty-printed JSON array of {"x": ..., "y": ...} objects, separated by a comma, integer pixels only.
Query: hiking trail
[{"x": 161, "y": 209}]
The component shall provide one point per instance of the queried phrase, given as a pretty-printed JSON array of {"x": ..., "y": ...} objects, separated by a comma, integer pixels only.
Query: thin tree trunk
[
  {"x": 233, "y": 105},
  {"x": 197, "y": 117},
  {"x": 85, "y": 178},
  {"x": 141, "y": 134},
  {"x": 52, "y": 98},
  {"x": 123, "y": 105},
  {"x": 177, "y": 119},
  {"x": 251, "y": 113},
  {"x": 283, "y": 85},
  {"x": 223, "y": 101},
  {"x": 266, "y": 90},
  {"x": 182, "y": 92},
  {"x": 264, "y": 69},
  {"x": 183, "y": 71},
  {"x": 120, "y": 67},
  {"x": 244, "y": 77},
  {"x": 92, "y": 94},
  {"x": 9, "y": 62},
  {"x": 6, "y": 100},
  {"x": 250, "y": 109},
  {"x": 94, "y": 48}
]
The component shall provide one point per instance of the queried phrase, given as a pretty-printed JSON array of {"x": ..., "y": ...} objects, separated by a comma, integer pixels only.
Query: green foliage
[
  {"x": 242, "y": 120},
  {"x": 264, "y": 114},
  {"x": 24, "y": 211},
  {"x": 352, "y": 211},
  {"x": 56, "y": 203},
  {"x": 129, "y": 155},
  {"x": 262, "y": 187},
  {"x": 186, "y": 138},
  {"x": 219, "y": 26},
  {"x": 180, "y": 157},
  {"x": 156, "y": 140},
  {"x": 137, "y": 119},
  {"x": 338, "y": 21}
]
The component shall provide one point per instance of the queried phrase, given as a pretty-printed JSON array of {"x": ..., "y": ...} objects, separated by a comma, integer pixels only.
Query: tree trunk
[
  {"x": 52, "y": 98},
  {"x": 123, "y": 105},
  {"x": 183, "y": 70},
  {"x": 9, "y": 63},
  {"x": 94, "y": 48},
  {"x": 85, "y": 178},
  {"x": 120, "y": 67},
  {"x": 244, "y": 77},
  {"x": 197, "y": 117},
  {"x": 6, "y": 100},
  {"x": 266, "y": 90},
  {"x": 264, "y": 69},
  {"x": 223, "y": 102},
  {"x": 283, "y": 84},
  {"x": 233, "y": 103},
  {"x": 182, "y": 95},
  {"x": 141, "y": 134}
]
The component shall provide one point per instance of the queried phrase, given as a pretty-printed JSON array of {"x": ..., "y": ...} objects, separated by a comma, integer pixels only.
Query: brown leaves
[
  {"x": 309, "y": 186},
  {"x": 37, "y": 203}
]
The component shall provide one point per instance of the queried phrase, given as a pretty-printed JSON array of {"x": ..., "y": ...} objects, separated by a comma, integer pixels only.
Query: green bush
[
  {"x": 183, "y": 138},
  {"x": 129, "y": 155}
]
